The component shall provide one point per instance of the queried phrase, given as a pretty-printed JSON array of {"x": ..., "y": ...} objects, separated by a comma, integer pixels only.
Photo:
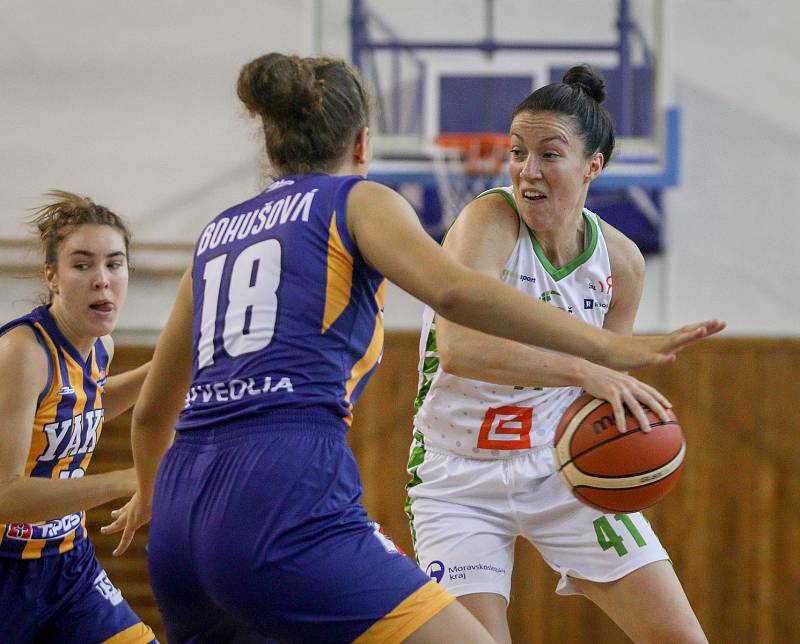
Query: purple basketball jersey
[{"x": 287, "y": 313}]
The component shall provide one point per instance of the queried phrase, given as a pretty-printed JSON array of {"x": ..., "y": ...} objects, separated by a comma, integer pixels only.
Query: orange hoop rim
[{"x": 483, "y": 153}]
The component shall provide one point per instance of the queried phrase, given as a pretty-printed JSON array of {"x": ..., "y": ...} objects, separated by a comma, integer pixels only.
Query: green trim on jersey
[
  {"x": 560, "y": 273},
  {"x": 501, "y": 191},
  {"x": 415, "y": 459},
  {"x": 555, "y": 273},
  {"x": 430, "y": 365}
]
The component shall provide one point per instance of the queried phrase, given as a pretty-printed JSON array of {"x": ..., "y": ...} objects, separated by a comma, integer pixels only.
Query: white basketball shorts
[{"x": 467, "y": 513}]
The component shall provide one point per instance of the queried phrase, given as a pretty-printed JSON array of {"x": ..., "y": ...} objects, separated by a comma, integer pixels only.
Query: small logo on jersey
[
  {"x": 109, "y": 591},
  {"x": 518, "y": 276},
  {"x": 605, "y": 286},
  {"x": 435, "y": 570},
  {"x": 547, "y": 296},
  {"x": 20, "y": 531},
  {"x": 66, "y": 391},
  {"x": 589, "y": 304},
  {"x": 53, "y": 529},
  {"x": 280, "y": 183},
  {"x": 506, "y": 427}
]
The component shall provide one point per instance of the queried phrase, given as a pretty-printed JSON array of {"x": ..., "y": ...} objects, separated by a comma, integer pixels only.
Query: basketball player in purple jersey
[
  {"x": 54, "y": 397},
  {"x": 257, "y": 525}
]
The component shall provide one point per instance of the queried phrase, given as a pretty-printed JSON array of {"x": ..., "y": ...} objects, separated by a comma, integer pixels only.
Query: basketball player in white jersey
[{"x": 482, "y": 469}]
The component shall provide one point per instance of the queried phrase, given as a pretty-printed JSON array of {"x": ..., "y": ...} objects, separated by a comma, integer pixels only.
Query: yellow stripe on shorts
[
  {"x": 407, "y": 616},
  {"x": 137, "y": 634}
]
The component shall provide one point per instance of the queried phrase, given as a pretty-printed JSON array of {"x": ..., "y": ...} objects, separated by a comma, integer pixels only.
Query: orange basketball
[{"x": 614, "y": 471}]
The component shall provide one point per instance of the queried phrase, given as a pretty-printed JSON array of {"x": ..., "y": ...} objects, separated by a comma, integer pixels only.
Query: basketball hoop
[{"x": 466, "y": 164}]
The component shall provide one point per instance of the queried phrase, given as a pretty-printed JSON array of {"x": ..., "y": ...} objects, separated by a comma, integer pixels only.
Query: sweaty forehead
[{"x": 538, "y": 126}]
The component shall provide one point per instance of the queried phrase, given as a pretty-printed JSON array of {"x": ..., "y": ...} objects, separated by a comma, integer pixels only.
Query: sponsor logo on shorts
[
  {"x": 435, "y": 570},
  {"x": 54, "y": 529},
  {"x": 462, "y": 572},
  {"x": 109, "y": 591}
]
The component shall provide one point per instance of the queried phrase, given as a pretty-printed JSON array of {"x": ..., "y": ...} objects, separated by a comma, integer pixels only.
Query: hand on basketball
[
  {"x": 622, "y": 390},
  {"x": 645, "y": 350},
  {"x": 127, "y": 519}
]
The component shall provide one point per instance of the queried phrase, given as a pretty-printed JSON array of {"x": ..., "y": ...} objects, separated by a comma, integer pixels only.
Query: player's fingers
[
  {"x": 636, "y": 411},
  {"x": 655, "y": 393},
  {"x": 114, "y": 526},
  {"x": 710, "y": 326},
  {"x": 125, "y": 540},
  {"x": 619, "y": 413},
  {"x": 646, "y": 398},
  {"x": 684, "y": 337},
  {"x": 715, "y": 326},
  {"x": 692, "y": 332}
]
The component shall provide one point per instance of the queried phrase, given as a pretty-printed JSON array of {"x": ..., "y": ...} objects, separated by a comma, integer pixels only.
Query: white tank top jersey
[{"x": 482, "y": 420}]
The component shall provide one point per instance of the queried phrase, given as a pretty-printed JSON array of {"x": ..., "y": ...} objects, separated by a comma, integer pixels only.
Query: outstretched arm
[{"x": 390, "y": 238}]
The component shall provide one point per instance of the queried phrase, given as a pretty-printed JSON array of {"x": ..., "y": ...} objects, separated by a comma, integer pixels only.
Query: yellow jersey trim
[
  {"x": 137, "y": 634},
  {"x": 339, "y": 281},
  {"x": 373, "y": 352},
  {"x": 405, "y": 618}
]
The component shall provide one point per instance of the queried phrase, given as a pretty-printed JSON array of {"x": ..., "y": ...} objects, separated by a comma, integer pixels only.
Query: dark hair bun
[
  {"x": 277, "y": 86},
  {"x": 586, "y": 79}
]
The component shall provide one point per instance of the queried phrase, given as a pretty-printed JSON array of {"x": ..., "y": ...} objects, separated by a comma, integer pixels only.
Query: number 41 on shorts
[{"x": 607, "y": 537}]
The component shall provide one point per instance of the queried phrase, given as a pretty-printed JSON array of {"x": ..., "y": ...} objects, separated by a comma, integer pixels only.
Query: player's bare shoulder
[
  {"x": 489, "y": 214},
  {"x": 627, "y": 261},
  {"x": 23, "y": 361},
  {"x": 484, "y": 233},
  {"x": 21, "y": 344}
]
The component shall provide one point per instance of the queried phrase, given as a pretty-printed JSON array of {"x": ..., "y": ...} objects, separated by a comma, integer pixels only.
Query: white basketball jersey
[{"x": 482, "y": 420}]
